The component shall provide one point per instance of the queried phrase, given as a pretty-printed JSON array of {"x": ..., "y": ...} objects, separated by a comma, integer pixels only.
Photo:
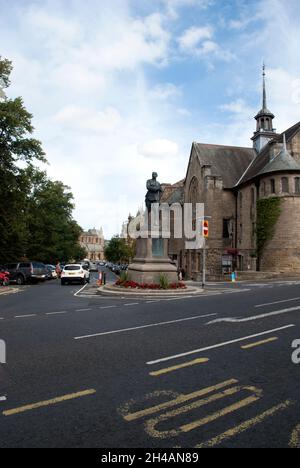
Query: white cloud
[
  {"x": 76, "y": 118},
  {"x": 165, "y": 91},
  {"x": 159, "y": 148},
  {"x": 199, "y": 41},
  {"x": 192, "y": 37}
]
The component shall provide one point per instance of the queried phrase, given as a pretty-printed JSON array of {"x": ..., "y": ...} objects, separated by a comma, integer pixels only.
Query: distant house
[{"x": 94, "y": 243}]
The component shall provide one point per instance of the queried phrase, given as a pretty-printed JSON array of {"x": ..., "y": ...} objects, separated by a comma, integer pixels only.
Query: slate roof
[
  {"x": 229, "y": 162},
  {"x": 282, "y": 162},
  {"x": 262, "y": 160}
]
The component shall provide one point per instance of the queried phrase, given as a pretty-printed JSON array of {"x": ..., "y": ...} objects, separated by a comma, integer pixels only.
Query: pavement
[{"x": 212, "y": 371}]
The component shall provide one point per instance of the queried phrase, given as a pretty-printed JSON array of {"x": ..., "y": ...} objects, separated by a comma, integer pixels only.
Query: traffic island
[{"x": 119, "y": 291}]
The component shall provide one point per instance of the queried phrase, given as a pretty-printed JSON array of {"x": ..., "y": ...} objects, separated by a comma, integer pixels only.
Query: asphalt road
[{"x": 88, "y": 371}]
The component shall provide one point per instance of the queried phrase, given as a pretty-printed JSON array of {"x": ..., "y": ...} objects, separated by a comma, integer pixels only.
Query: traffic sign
[{"x": 205, "y": 229}]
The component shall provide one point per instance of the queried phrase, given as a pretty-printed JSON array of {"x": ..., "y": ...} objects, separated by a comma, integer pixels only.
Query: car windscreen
[{"x": 72, "y": 267}]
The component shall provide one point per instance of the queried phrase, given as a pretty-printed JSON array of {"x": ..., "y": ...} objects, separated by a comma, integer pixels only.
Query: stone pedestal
[{"x": 151, "y": 261}]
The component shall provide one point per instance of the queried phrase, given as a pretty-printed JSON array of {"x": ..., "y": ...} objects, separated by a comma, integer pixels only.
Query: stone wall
[{"x": 282, "y": 253}]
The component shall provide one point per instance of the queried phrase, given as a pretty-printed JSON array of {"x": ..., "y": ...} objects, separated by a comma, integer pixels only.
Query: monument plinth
[{"x": 152, "y": 259}]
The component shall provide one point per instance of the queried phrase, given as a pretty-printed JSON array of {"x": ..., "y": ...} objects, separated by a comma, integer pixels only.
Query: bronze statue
[{"x": 154, "y": 191}]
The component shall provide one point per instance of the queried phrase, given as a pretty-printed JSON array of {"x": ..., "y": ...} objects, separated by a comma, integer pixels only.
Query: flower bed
[{"x": 134, "y": 285}]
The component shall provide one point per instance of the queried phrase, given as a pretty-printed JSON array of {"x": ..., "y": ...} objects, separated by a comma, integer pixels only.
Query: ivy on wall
[{"x": 268, "y": 212}]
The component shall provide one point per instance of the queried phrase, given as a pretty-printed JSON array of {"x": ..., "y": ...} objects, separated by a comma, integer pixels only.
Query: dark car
[{"x": 25, "y": 272}]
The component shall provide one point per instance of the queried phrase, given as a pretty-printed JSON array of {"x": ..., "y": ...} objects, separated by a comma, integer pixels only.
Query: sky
[{"x": 121, "y": 88}]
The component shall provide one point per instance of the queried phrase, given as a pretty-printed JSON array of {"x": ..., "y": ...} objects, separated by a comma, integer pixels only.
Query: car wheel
[{"x": 20, "y": 280}]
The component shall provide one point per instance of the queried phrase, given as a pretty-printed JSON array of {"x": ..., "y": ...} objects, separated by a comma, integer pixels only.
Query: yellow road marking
[
  {"x": 245, "y": 425},
  {"x": 54, "y": 401},
  {"x": 151, "y": 424},
  {"x": 178, "y": 401},
  {"x": 180, "y": 366},
  {"x": 295, "y": 438},
  {"x": 219, "y": 414},
  {"x": 259, "y": 343}
]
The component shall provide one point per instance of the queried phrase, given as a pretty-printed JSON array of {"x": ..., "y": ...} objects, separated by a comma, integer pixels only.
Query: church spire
[
  {"x": 264, "y": 118},
  {"x": 264, "y": 88}
]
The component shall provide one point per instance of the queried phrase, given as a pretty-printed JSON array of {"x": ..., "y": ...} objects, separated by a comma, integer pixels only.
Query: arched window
[
  {"x": 263, "y": 189},
  {"x": 285, "y": 185},
  {"x": 297, "y": 185},
  {"x": 194, "y": 198},
  {"x": 273, "y": 186}
]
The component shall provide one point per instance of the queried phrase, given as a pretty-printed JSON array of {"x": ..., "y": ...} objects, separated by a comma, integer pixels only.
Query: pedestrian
[
  {"x": 58, "y": 270},
  {"x": 180, "y": 277}
]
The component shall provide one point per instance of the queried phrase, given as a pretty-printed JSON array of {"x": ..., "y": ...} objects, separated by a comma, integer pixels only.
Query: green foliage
[
  {"x": 123, "y": 276},
  {"x": 163, "y": 281},
  {"x": 268, "y": 212},
  {"x": 118, "y": 250},
  {"x": 35, "y": 213}
]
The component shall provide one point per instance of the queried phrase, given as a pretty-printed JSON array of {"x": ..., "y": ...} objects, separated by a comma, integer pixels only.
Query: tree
[
  {"x": 16, "y": 146},
  {"x": 118, "y": 251},
  {"x": 54, "y": 234},
  {"x": 35, "y": 213}
]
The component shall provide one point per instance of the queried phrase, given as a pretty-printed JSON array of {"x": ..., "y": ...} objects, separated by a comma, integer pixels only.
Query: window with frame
[
  {"x": 273, "y": 186},
  {"x": 285, "y": 184}
]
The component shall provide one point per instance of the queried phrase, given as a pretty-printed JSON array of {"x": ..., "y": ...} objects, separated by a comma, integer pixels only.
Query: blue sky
[{"x": 120, "y": 88}]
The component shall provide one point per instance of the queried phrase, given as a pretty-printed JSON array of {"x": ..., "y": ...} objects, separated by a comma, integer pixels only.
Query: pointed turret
[{"x": 264, "y": 128}]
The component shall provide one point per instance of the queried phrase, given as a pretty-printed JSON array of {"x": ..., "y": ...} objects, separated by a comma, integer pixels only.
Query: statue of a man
[{"x": 154, "y": 191}]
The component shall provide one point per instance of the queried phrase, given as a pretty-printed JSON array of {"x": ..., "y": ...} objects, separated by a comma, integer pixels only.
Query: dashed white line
[
  {"x": 278, "y": 302},
  {"x": 25, "y": 316},
  {"x": 108, "y": 307},
  {"x": 82, "y": 310},
  {"x": 219, "y": 345},
  {"x": 132, "y": 304},
  {"x": 143, "y": 327},
  {"x": 2, "y": 398},
  {"x": 57, "y": 313}
]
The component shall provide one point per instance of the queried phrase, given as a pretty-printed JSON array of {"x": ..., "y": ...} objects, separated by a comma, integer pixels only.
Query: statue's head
[{"x": 154, "y": 175}]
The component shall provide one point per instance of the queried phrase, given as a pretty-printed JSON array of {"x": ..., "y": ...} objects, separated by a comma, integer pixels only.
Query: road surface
[{"x": 210, "y": 371}]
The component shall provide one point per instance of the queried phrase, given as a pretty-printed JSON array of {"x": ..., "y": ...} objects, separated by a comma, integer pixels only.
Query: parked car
[
  {"x": 93, "y": 266},
  {"x": 25, "y": 272},
  {"x": 73, "y": 273},
  {"x": 51, "y": 272}
]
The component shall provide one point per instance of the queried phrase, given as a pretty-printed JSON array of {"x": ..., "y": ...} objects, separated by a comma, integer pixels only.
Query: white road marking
[
  {"x": 278, "y": 302},
  {"x": 25, "y": 316},
  {"x": 152, "y": 302},
  {"x": 80, "y": 290},
  {"x": 82, "y": 310},
  {"x": 132, "y": 304},
  {"x": 254, "y": 317},
  {"x": 108, "y": 307},
  {"x": 2, "y": 398},
  {"x": 142, "y": 327},
  {"x": 57, "y": 313},
  {"x": 219, "y": 345}
]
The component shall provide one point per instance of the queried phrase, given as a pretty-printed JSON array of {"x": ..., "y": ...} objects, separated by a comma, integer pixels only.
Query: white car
[{"x": 76, "y": 272}]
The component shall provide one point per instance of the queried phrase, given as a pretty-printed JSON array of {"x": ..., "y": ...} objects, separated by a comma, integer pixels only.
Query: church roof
[
  {"x": 262, "y": 160},
  {"x": 229, "y": 162},
  {"x": 282, "y": 162}
]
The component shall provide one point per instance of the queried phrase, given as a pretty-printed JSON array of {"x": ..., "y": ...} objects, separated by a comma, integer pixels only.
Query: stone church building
[{"x": 233, "y": 182}]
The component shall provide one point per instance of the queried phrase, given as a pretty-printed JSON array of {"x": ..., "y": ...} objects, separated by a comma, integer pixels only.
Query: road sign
[{"x": 206, "y": 229}]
